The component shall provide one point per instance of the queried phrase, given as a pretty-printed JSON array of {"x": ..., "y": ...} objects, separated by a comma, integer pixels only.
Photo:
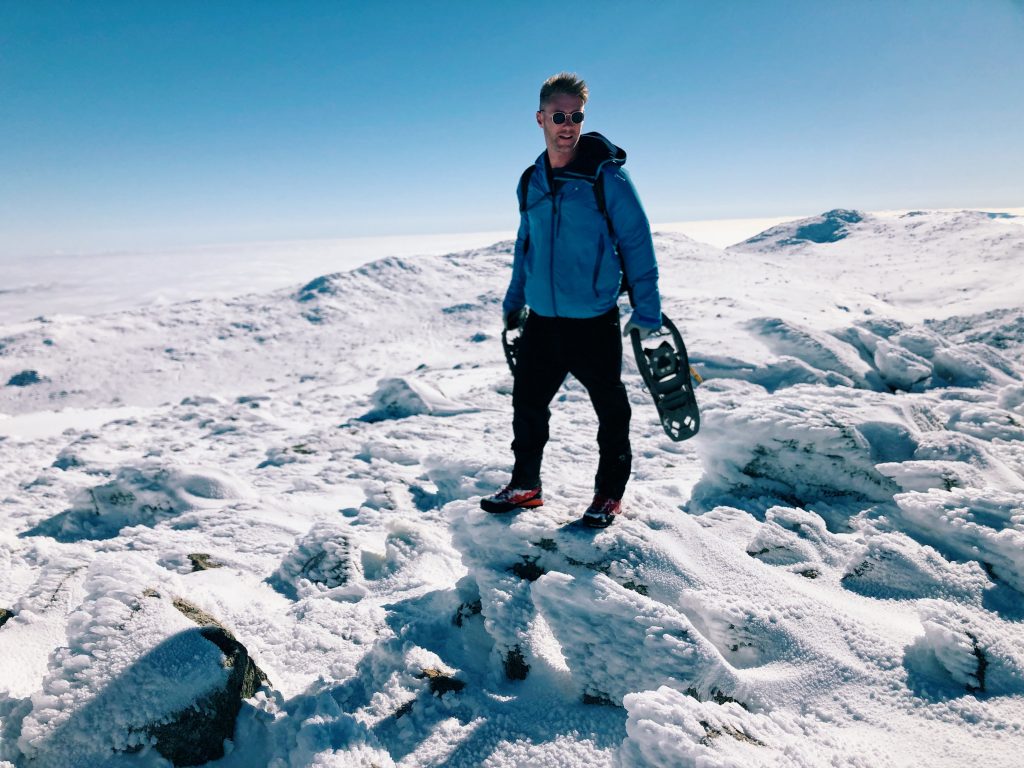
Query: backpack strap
[
  {"x": 524, "y": 185},
  {"x": 603, "y": 208}
]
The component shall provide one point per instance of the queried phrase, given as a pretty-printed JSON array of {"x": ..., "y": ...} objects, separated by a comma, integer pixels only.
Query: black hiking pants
[{"x": 591, "y": 350}]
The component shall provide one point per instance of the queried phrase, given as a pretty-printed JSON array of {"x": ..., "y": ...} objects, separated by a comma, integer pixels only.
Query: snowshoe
[
  {"x": 666, "y": 372},
  {"x": 510, "y": 343}
]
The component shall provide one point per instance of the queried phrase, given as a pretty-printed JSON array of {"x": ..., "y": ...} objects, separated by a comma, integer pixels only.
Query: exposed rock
[
  {"x": 24, "y": 379},
  {"x": 196, "y": 734},
  {"x": 441, "y": 682},
  {"x": 5, "y": 615},
  {"x": 516, "y": 667},
  {"x": 202, "y": 562}
]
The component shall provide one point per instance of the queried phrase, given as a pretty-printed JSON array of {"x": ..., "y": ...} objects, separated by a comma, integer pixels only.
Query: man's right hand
[{"x": 516, "y": 319}]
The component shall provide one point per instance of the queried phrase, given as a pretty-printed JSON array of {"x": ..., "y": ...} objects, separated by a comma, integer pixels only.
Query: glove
[
  {"x": 516, "y": 319},
  {"x": 643, "y": 330}
]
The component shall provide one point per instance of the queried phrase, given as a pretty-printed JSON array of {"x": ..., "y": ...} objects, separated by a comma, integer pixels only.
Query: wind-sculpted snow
[
  {"x": 143, "y": 495},
  {"x": 400, "y": 398},
  {"x": 803, "y": 446},
  {"x": 830, "y": 573},
  {"x": 667, "y": 727}
]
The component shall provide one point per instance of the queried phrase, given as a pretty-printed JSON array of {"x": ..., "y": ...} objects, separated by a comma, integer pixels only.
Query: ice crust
[{"x": 831, "y": 573}]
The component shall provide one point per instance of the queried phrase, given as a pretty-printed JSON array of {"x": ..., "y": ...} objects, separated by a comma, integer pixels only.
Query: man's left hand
[{"x": 643, "y": 330}]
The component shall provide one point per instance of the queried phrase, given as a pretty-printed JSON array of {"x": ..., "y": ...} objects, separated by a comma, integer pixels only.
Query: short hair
[{"x": 564, "y": 82}]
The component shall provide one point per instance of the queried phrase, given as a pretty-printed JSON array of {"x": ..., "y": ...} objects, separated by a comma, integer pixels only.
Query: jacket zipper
[{"x": 554, "y": 217}]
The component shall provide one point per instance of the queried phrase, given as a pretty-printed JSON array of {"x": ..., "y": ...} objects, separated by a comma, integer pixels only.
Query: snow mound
[
  {"x": 399, "y": 398},
  {"x": 324, "y": 560},
  {"x": 145, "y": 494},
  {"x": 837, "y": 362},
  {"x": 892, "y": 566},
  {"x": 798, "y": 540}
]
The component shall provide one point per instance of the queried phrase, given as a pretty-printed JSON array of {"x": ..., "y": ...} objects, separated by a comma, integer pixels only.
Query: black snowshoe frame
[
  {"x": 665, "y": 370},
  {"x": 510, "y": 343}
]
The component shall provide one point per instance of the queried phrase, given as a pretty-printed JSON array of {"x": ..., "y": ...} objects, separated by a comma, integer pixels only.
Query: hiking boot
[
  {"x": 509, "y": 498},
  {"x": 602, "y": 511}
]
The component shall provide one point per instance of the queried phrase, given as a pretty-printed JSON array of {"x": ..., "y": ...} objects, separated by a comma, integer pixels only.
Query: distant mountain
[
  {"x": 840, "y": 223},
  {"x": 829, "y": 227}
]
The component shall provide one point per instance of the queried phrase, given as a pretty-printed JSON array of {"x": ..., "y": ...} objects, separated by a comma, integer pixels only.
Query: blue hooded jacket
[{"x": 565, "y": 262}]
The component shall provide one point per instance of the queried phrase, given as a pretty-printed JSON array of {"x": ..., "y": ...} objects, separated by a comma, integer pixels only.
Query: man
[{"x": 581, "y": 225}]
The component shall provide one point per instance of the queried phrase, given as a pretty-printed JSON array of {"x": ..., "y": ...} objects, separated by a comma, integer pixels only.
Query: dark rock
[
  {"x": 466, "y": 610},
  {"x": 24, "y": 379},
  {"x": 829, "y": 228},
  {"x": 5, "y": 615},
  {"x": 516, "y": 667},
  {"x": 196, "y": 734},
  {"x": 202, "y": 562},
  {"x": 528, "y": 568},
  {"x": 320, "y": 286},
  {"x": 440, "y": 682}
]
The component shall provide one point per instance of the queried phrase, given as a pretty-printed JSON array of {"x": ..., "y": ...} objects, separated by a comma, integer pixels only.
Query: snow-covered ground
[{"x": 830, "y": 574}]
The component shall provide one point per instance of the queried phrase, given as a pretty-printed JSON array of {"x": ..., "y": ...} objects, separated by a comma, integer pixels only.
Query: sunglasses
[{"x": 560, "y": 117}]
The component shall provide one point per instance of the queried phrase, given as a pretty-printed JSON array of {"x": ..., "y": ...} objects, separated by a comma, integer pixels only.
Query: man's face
[{"x": 561, "y": 139}]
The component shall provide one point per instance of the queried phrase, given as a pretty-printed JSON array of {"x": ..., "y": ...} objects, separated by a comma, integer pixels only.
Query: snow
[{"x": 830, "y": 573}]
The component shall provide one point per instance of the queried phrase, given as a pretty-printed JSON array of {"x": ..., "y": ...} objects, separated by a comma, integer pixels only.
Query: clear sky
[{"x": 140, "y": 124}]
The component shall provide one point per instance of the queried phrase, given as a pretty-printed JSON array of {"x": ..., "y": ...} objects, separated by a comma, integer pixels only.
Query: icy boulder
[
  {"x": 325, "y": 559},
  {"x": 666, "y": 727},
  {"x": 137, "y": 673},
  {"x": 894, "y": 566},
  {"x": 399, "y": 398},
  {"x": 834, "y": 360},
  {"x": 25, "y": 379},
  {"x": 901, "y": 368},
  {"x": 917, "y": 358},
  {"x": 981, "y": 524},
  {"x": 976, "y": 649},
  {"x": 802, "y": 445},
  {"x": 595, "y": 619},
  {"x": 140, "y": 495}
]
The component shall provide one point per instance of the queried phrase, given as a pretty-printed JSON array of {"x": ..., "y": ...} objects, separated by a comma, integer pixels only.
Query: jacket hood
[{"x": 593, "y": 152}]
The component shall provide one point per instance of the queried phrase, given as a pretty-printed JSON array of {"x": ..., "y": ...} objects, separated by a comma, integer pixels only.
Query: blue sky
[{"x": 141, "y": 125}]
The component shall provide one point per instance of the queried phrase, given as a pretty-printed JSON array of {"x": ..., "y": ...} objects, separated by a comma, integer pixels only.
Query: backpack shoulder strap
[
  {"x": 602, "y": 206},
  {"x": 524, "y": 185}
]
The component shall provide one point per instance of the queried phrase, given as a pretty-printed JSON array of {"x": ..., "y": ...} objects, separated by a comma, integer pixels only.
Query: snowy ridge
[{"x": 831, "y": 573}]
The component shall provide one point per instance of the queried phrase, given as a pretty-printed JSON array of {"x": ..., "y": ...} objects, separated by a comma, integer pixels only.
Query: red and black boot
[
  {"x": 602, "y": 511},
  {"x": 509, "y": 498}
]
